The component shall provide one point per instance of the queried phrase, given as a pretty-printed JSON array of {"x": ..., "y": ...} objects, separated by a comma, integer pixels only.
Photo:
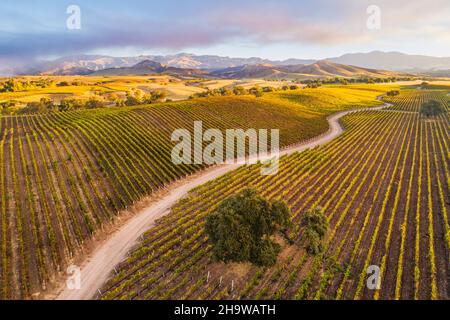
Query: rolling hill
[
  {"x": 330, "y": 69},
  {"x": 247, "y": 71},
  {"x": 393, "y": 61},
  {"x": 320, "y": 69}
]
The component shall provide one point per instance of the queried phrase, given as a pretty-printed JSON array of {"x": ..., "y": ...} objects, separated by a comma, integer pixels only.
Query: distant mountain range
[
  {"x": 319, "y": 69},
  {"x": 230, "y": 67},
  {"x": 394, "y": 61},
  {"x": 84, "y": 63},
  {"x": 146, "y": 67}
]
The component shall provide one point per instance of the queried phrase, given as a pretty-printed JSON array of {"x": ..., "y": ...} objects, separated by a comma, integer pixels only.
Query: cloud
[
  {"x": 174, "y": 25},
  {"x": 31, "y": 44},
  {"x": 284, "y": 25}
]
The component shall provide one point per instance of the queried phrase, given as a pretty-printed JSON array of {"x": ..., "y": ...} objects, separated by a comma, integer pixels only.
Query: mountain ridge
[
  {"x": 378, "y": 60},
  {"x": 319, "y": 69},
  {"x": 393, "y": 61},
  {"x": 147, "y": 67}
]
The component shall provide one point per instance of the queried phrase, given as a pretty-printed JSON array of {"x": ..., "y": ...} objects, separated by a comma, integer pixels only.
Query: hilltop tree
[
  {"x": 239, "y": 90},
  {"x": 241, "y": 228},
  {"x": 94, "y": 103},
  {"x": 69, "y": 104},
  {"x": 226, "y": 91},
  {"x": 158, "y": 96},
  {"x": 393, "y": 93},
  {"x": 256, "y": 91},
  {"x": 11, "y": 85},
  {"x": 132, "y": 99}
]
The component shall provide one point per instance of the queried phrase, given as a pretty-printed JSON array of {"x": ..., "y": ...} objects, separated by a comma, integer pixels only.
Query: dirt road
[{"x": 99, "y": 265}]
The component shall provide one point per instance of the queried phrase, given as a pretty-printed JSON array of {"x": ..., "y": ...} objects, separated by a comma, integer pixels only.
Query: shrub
[
  {"x": 393, "y": 93},
  {"x": 94, "y": 103},
  {"x": 70, "y": 104},
  {"x": 238, "y": 90},
  {"x": 44, "y": 105},
  {"x": 316, "y": 225},
  {"x": 432, "y": 108},
  {"x": 256, "y": 91}
]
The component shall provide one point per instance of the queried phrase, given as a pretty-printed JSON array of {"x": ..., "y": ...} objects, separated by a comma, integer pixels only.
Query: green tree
[
  {"x": 316, "y": 225},
  {"x": 267, "y": 89},
  {"x": 94, "y": 103},
  {"x": 432, "y": 108},
  {"x": 239, "y": 90},
  {"x": 70, "y": 104},
  {"x": 11, "y": 85},
  {"x": 241, "y": 228},
  {"x": 393, "y": 93},
  {"x": 132, "y": 100},
  {"x": 42, "y": 106},
  {"x": 256, "y": 91},
  {"x": 158, "y": 96}
]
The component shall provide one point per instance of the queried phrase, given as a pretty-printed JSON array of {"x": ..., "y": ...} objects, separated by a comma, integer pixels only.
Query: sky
[{"x": 318, "y": 29}]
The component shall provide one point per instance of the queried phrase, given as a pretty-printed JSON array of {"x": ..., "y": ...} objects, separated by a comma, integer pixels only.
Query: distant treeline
[
  {"x": 46, "y": 105},
  {"x": 16, "y": 85},
  {"x": 13, "y": 85},
  {"x": 257, "y": 91},
  {"x": 344, "y": 81}
]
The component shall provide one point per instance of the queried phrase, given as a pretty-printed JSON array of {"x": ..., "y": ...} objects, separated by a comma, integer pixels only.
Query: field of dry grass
[
  {"x": 100, "y": 87},
  {"x": 107, "y": 88}
]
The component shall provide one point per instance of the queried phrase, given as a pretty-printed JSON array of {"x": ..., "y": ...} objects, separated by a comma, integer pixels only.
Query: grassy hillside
[
  {"x": 64, "y": 175},
  {"x": 329, "y": 69},
  {"x": 384, "y": 186},
  {"x": 323, "y": 68}
]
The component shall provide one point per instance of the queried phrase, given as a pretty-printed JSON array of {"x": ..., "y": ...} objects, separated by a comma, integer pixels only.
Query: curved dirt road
[{"x": 99, "y": 265}]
